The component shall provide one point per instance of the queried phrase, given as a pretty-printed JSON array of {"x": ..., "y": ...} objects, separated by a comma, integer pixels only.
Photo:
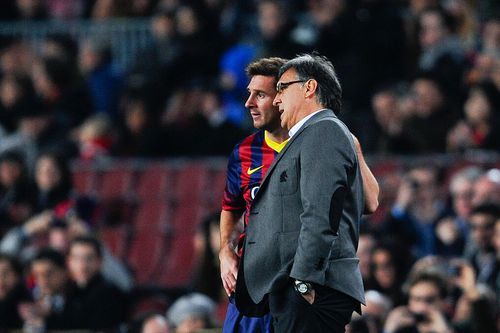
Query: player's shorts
[{"x": 237, "y": 323}]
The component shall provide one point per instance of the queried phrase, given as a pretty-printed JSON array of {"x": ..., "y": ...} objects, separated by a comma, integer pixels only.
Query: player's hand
[{"x": 228, "y": 268}]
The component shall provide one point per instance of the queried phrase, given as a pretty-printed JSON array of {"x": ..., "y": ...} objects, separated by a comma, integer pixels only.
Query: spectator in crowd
[
  {"x": 53, "y": 182},
  {"x": 461, "y": 190},
  {"x": 416, "y": 210},
  {"x": 12, "y": 292},
  {"x": 191, "y": 313},
  {"x": 366, "y": 245},
  {"x": 50, "y": 278},
  {"x": 162, "y": 53},
  {"x": 275, "y": 27},
  {"x": 16, "y": 58},
  {"x": 103, "y": 80},
  {"x": 427, "y": 304},
  {"x": 149, "y": 322},
  {"x": 47, "y": 228},
  {"x": 442, "y": 51},
  {"x": 93, "y": 302},
  {"x": 95, "y": 138},
  {"x": 31, "y": 10},
  {"x": 16, "y": 91},
  {"x": 195, "y": 38},
  {"x": 480, "y": 253},
  {"x": 481, "y": 127},
  {"x": 36, "y": 132},
  {"x": 389, "y": 134},
  {"x": 220, "y": 134},
  {"x": 60, "y": 46},
  {"x": 486, "y": 59},
  {"x": 139, "y": 135},
  {"x": 376, "y": 309},
  {"x": 432, "y": 117},
  {"x": 465, "y": 23},
  {"x": 453, "y": 230},
  {"x": 487, "y": 188},
  {"x": 59, "y": 84},
  {"x": 474, "y": 310},
  {"x": 387, "y": 271},
  {"x": 16, "y": 200},
  {"x": 155, "y": 323},
  {"x": 425, "y": 311},
  {"x": 196, "y": 125}
]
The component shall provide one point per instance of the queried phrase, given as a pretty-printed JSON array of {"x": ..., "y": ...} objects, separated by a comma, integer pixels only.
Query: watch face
[{"x": 302, "y": 288}]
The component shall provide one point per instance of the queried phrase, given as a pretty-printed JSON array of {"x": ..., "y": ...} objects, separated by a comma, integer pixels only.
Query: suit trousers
[{"x": 330, "y": 312}]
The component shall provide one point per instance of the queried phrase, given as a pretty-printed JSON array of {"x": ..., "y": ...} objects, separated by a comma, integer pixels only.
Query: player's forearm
[
  {"x": 228, "y": 228},
  {"x": 370, "y": 187}
]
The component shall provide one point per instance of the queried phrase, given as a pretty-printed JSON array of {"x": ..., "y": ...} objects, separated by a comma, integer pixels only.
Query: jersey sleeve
[{"x": 233, "y": 195}]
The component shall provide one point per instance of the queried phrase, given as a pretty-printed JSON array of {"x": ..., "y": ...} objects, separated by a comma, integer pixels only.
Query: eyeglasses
[{"x": 280, "y": 86}]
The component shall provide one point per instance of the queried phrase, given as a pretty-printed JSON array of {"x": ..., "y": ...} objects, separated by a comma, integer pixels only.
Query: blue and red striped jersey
[{"x": 247, "y": 166}]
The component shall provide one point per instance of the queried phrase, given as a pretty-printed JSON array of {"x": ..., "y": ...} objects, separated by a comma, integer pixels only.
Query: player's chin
[{"x": 258, "y": 124}]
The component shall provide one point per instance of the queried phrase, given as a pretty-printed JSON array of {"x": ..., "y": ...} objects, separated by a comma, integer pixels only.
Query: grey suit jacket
[{"x": 304, "y": 220}]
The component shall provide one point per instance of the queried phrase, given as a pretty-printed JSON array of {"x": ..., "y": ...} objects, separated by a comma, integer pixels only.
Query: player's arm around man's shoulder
[{"x": 371, "y": 188}]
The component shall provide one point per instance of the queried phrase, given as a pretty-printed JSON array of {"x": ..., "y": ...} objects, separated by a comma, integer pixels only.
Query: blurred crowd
[{"x": 418, "y": 76}]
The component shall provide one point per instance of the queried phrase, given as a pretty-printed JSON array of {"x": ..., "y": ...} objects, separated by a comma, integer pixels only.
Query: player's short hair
[{"x": 266, "y": 67}]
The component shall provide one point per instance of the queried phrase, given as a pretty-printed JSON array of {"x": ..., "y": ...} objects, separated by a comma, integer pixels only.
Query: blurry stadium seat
[{"x": 116, "y": 182}]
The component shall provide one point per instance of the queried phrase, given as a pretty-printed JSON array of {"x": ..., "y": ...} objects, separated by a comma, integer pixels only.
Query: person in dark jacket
[{"x": 93, "y": 302}]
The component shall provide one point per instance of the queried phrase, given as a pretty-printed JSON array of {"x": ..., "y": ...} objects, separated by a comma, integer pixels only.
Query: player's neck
[{"x": 279, "y": 135}]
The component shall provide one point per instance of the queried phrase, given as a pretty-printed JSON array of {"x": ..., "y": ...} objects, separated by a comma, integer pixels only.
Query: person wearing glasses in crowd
[{"x": 245, "y": 174}]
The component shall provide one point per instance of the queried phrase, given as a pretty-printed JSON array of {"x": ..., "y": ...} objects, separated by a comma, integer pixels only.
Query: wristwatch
[{"x": 303, "y": 287}]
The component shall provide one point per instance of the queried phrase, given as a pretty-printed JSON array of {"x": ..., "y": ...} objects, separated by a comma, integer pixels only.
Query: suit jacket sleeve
[{"x": 327, "y": 166}]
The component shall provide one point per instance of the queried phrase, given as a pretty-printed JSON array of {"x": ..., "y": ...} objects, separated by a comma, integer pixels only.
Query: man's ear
[{"x": 311, "y": 86}]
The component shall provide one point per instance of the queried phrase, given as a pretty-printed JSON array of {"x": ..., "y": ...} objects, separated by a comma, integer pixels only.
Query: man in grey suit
[{"x": 300, "y": 250}]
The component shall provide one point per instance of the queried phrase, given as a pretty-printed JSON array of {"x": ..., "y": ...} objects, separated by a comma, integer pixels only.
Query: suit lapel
[{"x": 314, "y": 119}]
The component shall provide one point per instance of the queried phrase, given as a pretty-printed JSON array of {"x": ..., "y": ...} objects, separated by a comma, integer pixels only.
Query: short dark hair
[
  {"x": 266, "y": 67},
  {"x": 48, "y": 254},
  {"x": 317, "y": 67},
  {"x": 433, "y": 277},
  {"x": 90, "y": 241}
]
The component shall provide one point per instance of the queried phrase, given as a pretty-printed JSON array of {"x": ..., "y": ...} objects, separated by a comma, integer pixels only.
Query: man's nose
[{"x": 277, "y": 100}]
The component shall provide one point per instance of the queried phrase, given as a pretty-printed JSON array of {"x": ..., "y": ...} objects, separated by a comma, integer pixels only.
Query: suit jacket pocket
[
  {"x": 285, "y": 177},
  {"x": 288, "y": 242}
]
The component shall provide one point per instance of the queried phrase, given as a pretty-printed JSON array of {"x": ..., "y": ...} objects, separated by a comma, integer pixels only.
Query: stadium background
[{"x": 145, "y": 99}]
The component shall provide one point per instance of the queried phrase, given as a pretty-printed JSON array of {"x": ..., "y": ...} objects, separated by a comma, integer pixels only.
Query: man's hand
[
  {"x": 228, "y": 268},
  {"x": 309, "y": 297}
]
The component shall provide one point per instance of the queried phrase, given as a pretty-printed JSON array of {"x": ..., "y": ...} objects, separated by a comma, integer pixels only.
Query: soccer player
[{"x": 247, "y": 167}]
